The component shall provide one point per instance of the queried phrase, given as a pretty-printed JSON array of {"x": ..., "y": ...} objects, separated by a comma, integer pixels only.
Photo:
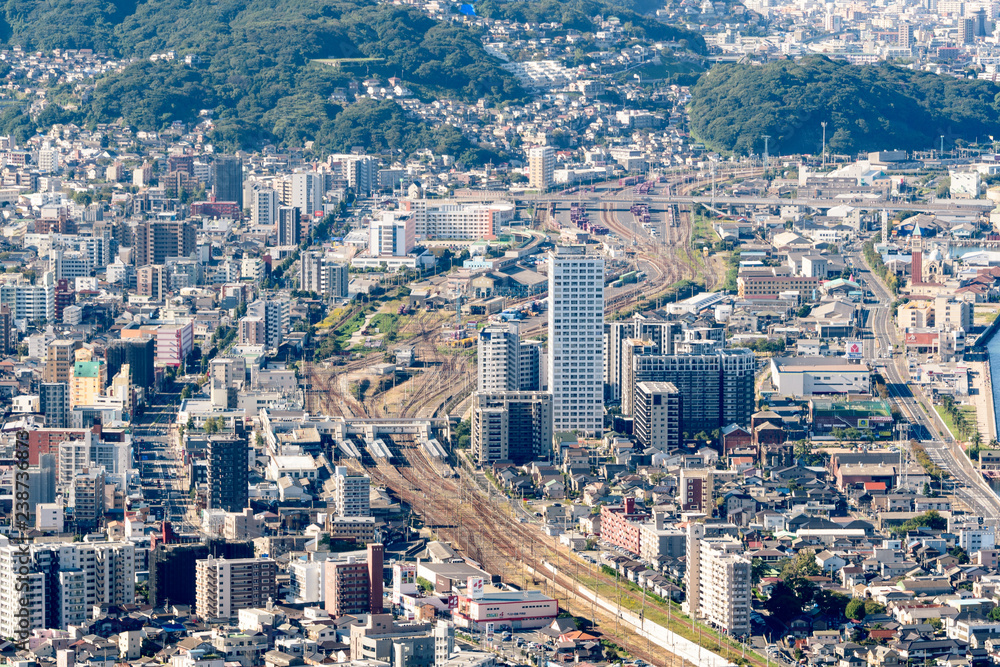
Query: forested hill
[
  {"x": 866, "y": 108},
  {"x": 259, "y": 73},
  {"x": 576, "y": 14}
]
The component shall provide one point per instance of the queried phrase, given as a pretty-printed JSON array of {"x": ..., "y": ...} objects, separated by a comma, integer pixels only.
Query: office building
[
  {"x": 350, "y": 493},
  {"x": 436, "y": 219},
  {"x": 140, "y": 356},
  {"x": 808, "y": 376},
  {"x": 53, "y": 401},
  {"x": 227, "y": 179},
  {"x": 658, "y": 415},
  {"x": 289, "y": 226},
  {"x": 541, "y": 167},
  {"x": 511, "y": 426},
  {"x": 323, "y": 275},
  {"x": 393, "y": 234},
  {"x": 576, "y": 340},
  {"x": 354, "y": 586},
  {"x": 717, "y": 579},
  {"x": 376, "y": 578},
  {"x": 966, "y": 31},
  {"x": 224, "y": 586},
  {"x": 157, "y": 240},
  {"x": 263, "y": 207},
  {"x": 172, "y": 568},
  {"x": 42, "y": 481},
  {"x": 228, "y": 473}
]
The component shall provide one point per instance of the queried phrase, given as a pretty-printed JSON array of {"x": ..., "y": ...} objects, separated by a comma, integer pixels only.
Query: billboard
[
  {"x": 452, "y": 602},
  {"x": 404, "y": 581},
  {"x": 854, "y": 349},
  {"x": 475, "y": 585},
  {"x": 862, "y": 423}
]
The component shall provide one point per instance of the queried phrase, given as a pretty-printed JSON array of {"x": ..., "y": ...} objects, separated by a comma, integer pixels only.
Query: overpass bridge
[{"x": 624, "y": 203}]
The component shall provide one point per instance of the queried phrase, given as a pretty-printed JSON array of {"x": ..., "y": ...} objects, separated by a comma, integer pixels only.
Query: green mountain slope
[
  {"x": 866, "y": 108},
  {"x": 266, "y": 68}
]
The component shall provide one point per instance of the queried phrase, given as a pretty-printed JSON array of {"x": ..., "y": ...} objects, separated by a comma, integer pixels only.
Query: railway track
[{"x": 484, "y": 528}]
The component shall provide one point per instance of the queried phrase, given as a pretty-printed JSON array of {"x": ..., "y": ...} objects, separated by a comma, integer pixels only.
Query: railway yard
[{"x": 462, "y": 507}]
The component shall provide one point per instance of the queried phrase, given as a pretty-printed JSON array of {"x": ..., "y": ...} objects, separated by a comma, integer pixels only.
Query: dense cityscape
[{"x": 424, "y": 334}]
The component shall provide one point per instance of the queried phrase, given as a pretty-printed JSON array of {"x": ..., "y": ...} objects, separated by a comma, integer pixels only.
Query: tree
[
  {"x": 872, "y": 608},
  {"x": 758, "y": 568},
  {"x": 832, "y": 604},
  {"x": 186, "y": 392},
  {"x": 855, "y": 610},
  {"x": 784, "y": 603}
]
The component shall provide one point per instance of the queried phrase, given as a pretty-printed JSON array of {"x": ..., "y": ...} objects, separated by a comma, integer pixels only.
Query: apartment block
[
  {"x": 658, "y": 415},
  {"x": 223, "y": 587},
  {"x": 511, "y": 426},
  {"x": 576, "y": 340},
  {"x": 350, "y": 493}
]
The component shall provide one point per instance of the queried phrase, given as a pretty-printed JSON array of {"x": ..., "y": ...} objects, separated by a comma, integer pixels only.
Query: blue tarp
[{"x": 467, "y": 10}]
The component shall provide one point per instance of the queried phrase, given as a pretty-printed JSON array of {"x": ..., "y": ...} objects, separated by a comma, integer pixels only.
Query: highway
[{"x": 968, "y": 484}]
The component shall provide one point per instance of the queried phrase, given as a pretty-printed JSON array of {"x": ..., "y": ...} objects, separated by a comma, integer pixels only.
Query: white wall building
[
  {"x": 435, "y": 219},
  {"x": 576, "y": 340}
]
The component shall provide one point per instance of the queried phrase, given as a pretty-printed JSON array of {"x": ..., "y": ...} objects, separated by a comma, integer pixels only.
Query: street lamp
[{"x": 766, "y": 160}]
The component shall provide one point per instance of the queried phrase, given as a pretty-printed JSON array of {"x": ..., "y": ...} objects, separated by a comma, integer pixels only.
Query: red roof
[{"x": 874, "y": 486}]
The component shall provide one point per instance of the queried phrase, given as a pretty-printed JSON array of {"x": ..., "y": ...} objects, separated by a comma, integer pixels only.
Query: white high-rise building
[
  {"x": 350, "y": 493},
  {"x": 541, "y": 167},
  {"x": 393, "y": 235},
  {"x": 264, "y": 207},
  {"x": 360, "y": 172},
  {"x": 307, "y": 193},
  {"x": 717, "y": 580},
  {"x": 323, "y": 275},
  {"x": 65, "y": 582},
  {"x": 498, "y": 363},
  {"x": 576, "y": 340}
]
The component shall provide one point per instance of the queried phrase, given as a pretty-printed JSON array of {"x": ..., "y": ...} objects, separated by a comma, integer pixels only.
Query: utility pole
[{"x": 824, "y": 143}]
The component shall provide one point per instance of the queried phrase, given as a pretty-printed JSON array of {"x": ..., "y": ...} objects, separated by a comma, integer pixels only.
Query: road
[
  {"x": 160, "y": 460},
  {"x": 968, "y": 484}
]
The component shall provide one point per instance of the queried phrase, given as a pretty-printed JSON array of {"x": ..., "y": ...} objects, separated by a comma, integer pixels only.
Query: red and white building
[
  {"x": 174, "y": 343},
  {"x": 620, "y": 525},
  {"x": 516, "y": 610}
]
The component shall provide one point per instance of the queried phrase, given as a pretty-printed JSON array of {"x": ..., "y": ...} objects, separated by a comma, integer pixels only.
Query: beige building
[
  {"x": 952, "y": 314},
  {"x": 541, "y": 167},
  {"x": 717, "y": 580},
  {"x": 223, "y": 586}
]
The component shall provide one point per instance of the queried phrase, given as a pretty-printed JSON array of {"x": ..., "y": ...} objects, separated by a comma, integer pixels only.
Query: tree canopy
[
  {"x": 866, "y": 108},
  {"x": 266, "y": 69}
]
